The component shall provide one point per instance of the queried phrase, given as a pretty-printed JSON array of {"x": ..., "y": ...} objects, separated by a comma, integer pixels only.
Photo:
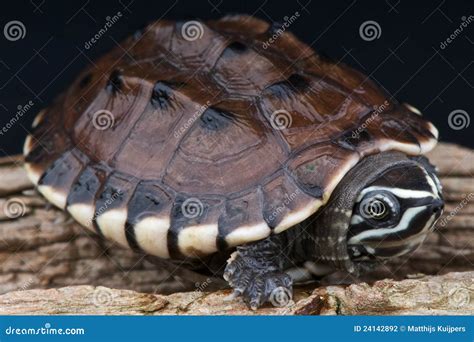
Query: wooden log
[
  {"x": 43, "y": 248},
  {"x": 431, "y": 295}
]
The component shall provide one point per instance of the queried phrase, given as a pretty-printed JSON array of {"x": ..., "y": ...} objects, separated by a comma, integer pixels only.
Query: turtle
[{"x": 230, "y": 146}]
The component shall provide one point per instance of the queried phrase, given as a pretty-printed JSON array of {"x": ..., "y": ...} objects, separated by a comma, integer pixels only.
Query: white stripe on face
[
  {"x": 434, "y": 187},
  {"x": 412, "y": 243},
  {"x": 399, "y": 192},
  {"x": 404, "y": 223}
]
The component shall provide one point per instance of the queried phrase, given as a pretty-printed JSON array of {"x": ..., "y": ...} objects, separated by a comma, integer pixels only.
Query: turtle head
[
  {"x": 393, "y": 214},
  {"x": 385, "y": 206}
]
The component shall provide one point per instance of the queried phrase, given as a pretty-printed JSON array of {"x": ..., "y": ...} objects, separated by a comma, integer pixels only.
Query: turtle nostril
[{"x": 437, "y": 206}]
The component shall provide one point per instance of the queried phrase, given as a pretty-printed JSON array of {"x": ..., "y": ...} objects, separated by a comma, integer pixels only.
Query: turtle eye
[{"x": 378, "y": 207}]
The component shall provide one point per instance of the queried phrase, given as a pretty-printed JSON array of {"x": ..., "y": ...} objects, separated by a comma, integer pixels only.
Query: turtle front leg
[{"x": 255, "y": 272}]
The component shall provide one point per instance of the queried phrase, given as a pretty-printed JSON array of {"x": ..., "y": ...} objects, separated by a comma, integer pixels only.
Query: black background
[{"x": 407, "y": 59}]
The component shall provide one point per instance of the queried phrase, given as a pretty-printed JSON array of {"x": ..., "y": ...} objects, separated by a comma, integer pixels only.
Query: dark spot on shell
[
  {"x": 161, "y": 95},
  {"x": 298, "y": 82},
  {"x": 313, "y": 190},
  {"x": 238, "y": 47},
  {"x": 294, "y": 83},
  {"x": 353, "y": 139},
  {"x": 115, "y": 82},
  {"x": 214, "y": 119},
  {"x": 111, "y": 194},
  {"x": 85, "y": 81}
]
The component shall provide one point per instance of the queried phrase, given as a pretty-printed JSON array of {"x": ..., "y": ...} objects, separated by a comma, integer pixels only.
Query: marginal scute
[
  {"x": 81, "y": 201},
  {"x": 111, "y": 207},
  {"x": 244, "y": 211},
  {"x": 149, "y": 207},
  {"x": 284, "y": 202},
  {"x": 319, "y": 169},
  {"x": 56, "y": 181},
  {"x": 193, "y": 221}
]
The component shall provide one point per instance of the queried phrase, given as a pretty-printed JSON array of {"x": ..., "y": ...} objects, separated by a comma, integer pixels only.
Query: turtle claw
[{"x": 257, "y": 285}]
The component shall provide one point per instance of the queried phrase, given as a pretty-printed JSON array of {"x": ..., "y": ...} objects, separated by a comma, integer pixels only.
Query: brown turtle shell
[{"x": 194, "y": 137}]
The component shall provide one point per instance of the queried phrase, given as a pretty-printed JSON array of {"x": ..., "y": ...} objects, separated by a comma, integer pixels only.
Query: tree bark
[
  {"x": 449, "y": 294},
  {"x": 43, "y": 248}
]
